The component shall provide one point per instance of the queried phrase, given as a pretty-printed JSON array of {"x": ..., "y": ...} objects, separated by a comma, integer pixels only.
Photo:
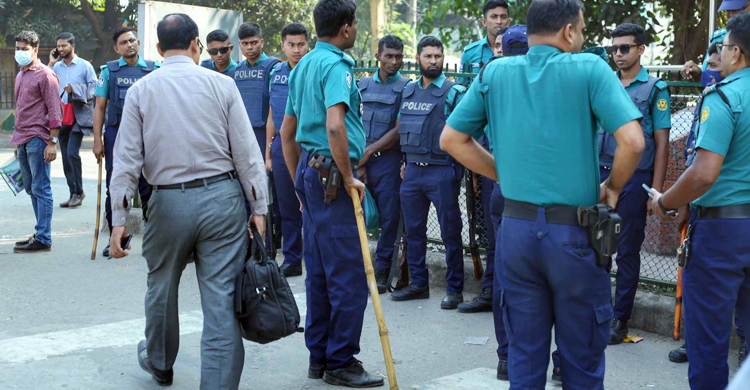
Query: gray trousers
[{"x": 209, "y": 220}]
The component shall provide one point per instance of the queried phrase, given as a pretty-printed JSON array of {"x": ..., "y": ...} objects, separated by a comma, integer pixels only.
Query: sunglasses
[
  {"x": 720, "y": 47},
  {"x": 200, "y": 46},
  {"x": 624, "y": 49},
  {"x": 222, "y": 50}
]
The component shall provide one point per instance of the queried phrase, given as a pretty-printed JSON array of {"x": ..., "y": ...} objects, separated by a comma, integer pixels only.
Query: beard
[
  {"x": 430, "y": 73},
  {"x": 66, "y": 55}
]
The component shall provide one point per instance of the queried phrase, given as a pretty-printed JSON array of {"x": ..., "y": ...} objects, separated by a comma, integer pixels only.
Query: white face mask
[{"x": 23, "y": 57}]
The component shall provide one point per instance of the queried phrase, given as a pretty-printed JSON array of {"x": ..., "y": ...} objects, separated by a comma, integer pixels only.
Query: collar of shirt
[
  {"x": 178, "y": 59},
  {"x": 543, "y": 50},
  {"x": 141, "y": 63},
  {"x": 74, "y": 61},
  {"x": 641, "y": 77},
  {"x": 260, "y": 59},
  {"x": 37, "y": 65},
  {"x": 438, "y": 82},
  {"x": 389, "y": 79},
  {"x": 486, "y": 43},
  {"x": 745, "y": 72},
  {"x": 229, "y": 68}
]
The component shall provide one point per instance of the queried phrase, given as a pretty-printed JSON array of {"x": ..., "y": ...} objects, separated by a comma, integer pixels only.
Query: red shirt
[{"x": 38, "y": 107}]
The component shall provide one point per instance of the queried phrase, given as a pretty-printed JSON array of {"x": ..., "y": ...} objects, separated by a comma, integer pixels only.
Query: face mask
[
  {"x": 710, "y": 77},
  {"x": 23, "y": 57}
]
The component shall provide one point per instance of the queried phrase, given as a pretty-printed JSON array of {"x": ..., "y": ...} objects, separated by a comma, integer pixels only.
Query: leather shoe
[
  {"x": 32, "y": 247},
  {"x": 66, "y": 204},
  {"x": 162, "y": 378},
  {"x": 480, "y": 303},
  {"x": 76, "y": 200},
  {"x": 556, "y": 374},
  {"x": 451, "y": 300},
  {"x": 679, "y": 355},
  {"x": 290, "y": 269},
  {"x": 105, "y": 252},
  {"x": 381, "y": 279},
  {"x": 618, "y": 330},
  {"x": 502, "y": 370},
  {"x": 26, "y": 241},
  {"x": 352, "y": 376},
  {"x": 414, "y": 291},
  {"x": 315, "y": 371}
]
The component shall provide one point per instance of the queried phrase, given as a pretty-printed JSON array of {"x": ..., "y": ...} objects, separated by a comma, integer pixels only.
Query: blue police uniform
[
  {"x": 716, "y": 278},
  {"x": 253, "y": 82},
  {"x": 546, "y": 160},
  {"x": 380, "y": 103},
  {"x": 115, "y": 79},
  {"x": 431, "y": 176},
  {"x": 336, "y": 282},
  {"x": 209, "y": 64},
  {"x": 286, "y": 199},
  {"x": 651, "y": 96}
]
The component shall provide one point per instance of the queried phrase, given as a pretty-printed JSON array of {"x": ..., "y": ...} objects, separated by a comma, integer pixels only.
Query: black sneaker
[
  {"x": 679, "y": 355},
  {"x": 33, "y": 247},
  {"x": 26, "y": 241},
  {"x": 105, "y": 252},
  {"x": 162, "y": 378},
  {"x": 315, "y": 371},
  {"x": 451, "y": 300},
  {"x": 556, "y": 374},
  {"x": 352, "y": 376},
  {"x": 502, "y": 370},
  {"x": 381, "y": 279},
  {"x": 414, "y": 291},
  {"x": 618, "y": 330},
  {"x": 480, "y": 303},
  {"x": 742, "y": 354},
  {"x": 291, "y": 270}
]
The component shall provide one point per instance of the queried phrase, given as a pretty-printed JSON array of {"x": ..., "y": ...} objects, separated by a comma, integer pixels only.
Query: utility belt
[
  {"x": 603, "y": 223},
  {"x": 329, "y": 174},
  {"x": 231, "y": 175},
  {"x": 737, "y": 211}
]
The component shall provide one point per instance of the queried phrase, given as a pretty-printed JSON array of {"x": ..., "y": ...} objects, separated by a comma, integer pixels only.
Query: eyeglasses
[
  {"x": 720, "y": 47},
  {"x": 222, "y": 50},
  {"x": 624, "y": 49},
  {"x": 200, "y": 46}
]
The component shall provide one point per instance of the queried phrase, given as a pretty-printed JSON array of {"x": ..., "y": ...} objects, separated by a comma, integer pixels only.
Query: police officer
[
  {"x": 693, "y": 71},
  {"x": 381, "y": 99},
  {"x": 322, "y": 113},
  {"x": 294, "y": 44},
  {"x": 220, "y": 49},
  {"x": 717, "y": 183},
  {"x": 475, "y": 55},
  {"x": 431, "y": 175},
  {"x": 114, "y": 80},
  {"x": 498, "y": 49},
  {"x": 545, "y": 156},
  {"x": 651, "y": 96}
]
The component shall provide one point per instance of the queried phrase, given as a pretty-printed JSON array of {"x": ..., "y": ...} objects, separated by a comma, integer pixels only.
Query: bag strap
[{"x": 258, "y": 242}]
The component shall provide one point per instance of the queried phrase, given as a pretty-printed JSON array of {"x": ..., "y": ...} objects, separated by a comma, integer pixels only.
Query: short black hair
[
  {"x": 492, "y": 4},
  {"x": 628, "y": 29},
  {"x": 294, "y": 29},
  {"x": 217, "y": 36},
  {"x": 549, "y": 16},
  {"x": 248, "y": 30},
  {"x": 739, "y": 32},
  {"x": 120, "y": 31},
  {"x": 68, "y": 37},
  {"x": 29, "y": 37},
  {"x": 713, "y": 49},
  {"x": 429, "y": 41},
  {"x": 391, "y": 42},
  {"x": 176, "y": 32},
  {"x": 330, "y": 15}
]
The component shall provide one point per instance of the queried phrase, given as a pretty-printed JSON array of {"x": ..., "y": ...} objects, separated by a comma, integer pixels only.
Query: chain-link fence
[{"x": 658, "y": 264}]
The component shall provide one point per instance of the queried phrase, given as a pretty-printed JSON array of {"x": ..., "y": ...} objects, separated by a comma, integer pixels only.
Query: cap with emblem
[
  {"x": 732, "y": 5},
  {"x": 515, "y": 41}
]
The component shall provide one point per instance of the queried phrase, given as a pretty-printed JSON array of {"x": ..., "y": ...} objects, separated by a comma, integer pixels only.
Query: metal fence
[
  {"x": 7, "y": 91},
  {"x": 658, "y": 264}
]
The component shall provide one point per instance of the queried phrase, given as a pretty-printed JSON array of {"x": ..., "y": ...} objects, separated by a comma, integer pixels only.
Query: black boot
[
  {"x": 618, "y": 330},
  {"x": 556, "y": 374},
  {"x": 414, "y": 291},
  {"x": 315, "y": 371},
  {"x": 291, "y": 270},
  {"x": 502, "y": 370},
  {"x": 451, "y": 300},
  {"x": 381, "y": 279},
  {"x": 679, "y": 355},
  {"x": 352, "y": 376},
  {"x": 481, "y": 303},
  {"x": 162, "y": 378}
]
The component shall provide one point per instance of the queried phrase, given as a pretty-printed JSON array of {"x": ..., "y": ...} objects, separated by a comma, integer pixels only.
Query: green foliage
[
  {"x": 47, "y": 17},
  {"x": 393, "y": 25}
]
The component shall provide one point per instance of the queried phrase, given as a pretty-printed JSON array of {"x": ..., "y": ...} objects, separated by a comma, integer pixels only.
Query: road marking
[{"x": 476, "y": 379}]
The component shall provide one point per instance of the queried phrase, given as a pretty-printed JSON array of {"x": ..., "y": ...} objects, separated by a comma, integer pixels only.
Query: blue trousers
[
  {"x": 144, "y": 189},
  {"x": 384, "y": 183},
  {"x": 288, "y": 204},
  {"x": 550, "y": 277},
  {"x": 631, "y": 206},
  {"x": 492, "y": 207},
  {"x": 336, "y": 282},
  {"x": 36, "y": 182},
  {"x": 439, "y": 185},
  {"x": 716, "y": 280},
  {"x": 496, "y": 214}
]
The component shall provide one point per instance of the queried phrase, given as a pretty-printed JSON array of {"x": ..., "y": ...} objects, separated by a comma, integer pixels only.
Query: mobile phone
[
  {"x": 55, "y": 53},
  {"x": 125, "y": 241},
  {"x": 648, "y": 190}
]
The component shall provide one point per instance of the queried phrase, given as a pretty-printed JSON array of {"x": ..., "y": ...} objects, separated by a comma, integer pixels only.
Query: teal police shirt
[
  {"x": 322, "y": 79},
  {"x": 475, "y": 55},
  {"x": 232, "y": 66},
  {"x": 725, "y": 129},
  {"x": 542, "y": 110},
  {"x": 452, "y": 98},
  {"x": 389, "y": 80},
  {"x": 102, "y": 85},
  {"x": 661, "y": 117}
]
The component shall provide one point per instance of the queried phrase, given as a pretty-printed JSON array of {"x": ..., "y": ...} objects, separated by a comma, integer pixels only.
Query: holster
[
  {"x": 604, "y": 226},
  {"x": 328, "y": 175}
]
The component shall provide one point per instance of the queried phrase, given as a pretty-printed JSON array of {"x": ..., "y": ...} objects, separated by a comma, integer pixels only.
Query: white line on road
[{"x": 476, "y": 379}]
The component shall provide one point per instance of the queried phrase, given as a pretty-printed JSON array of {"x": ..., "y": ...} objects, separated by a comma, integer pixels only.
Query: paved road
[{"x": 67, "y": 322}]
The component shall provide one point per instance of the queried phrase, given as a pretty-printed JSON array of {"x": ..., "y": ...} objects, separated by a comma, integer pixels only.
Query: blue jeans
[{"x": 35, "y": 172}]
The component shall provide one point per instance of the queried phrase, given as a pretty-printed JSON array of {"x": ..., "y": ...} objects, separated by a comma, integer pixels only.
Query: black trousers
[{"x": 70, "y": 146}]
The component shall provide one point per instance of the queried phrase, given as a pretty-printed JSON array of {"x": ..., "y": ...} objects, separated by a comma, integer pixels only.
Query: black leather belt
[
  {"x": 198, "y": 182},
  {"x": 354, "y": 163},
  {"x": 555, "y": 214},
  {"x": 737, "y": 211}
]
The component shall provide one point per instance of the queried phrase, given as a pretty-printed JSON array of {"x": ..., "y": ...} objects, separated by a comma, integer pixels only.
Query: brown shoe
[
  {"x": 66, "y": 204},
  {"x": 76, "y": 200}
]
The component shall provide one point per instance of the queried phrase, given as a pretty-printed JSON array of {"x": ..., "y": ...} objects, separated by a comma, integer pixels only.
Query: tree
[{"x": 395, "y": 24}]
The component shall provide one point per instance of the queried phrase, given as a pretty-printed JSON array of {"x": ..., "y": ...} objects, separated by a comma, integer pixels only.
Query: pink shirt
[{"x": 38, "y": 107}]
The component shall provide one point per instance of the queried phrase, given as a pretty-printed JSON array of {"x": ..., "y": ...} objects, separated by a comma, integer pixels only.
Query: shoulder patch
[
  {"x": 705, "y": 114},
  {"x": 100, "y": 82},
  {"x": 662, "y": 105},
  {"x": 348, "y": 79}
]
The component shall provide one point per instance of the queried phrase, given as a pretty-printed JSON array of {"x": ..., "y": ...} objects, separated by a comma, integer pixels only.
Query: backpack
[{"x": 263, "y": 302}]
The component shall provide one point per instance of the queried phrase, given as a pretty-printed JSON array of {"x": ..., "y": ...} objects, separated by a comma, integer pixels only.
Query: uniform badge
[
  {"x": 705, "y": 114},
  {"x": 100, "y": 82},
  {"x": 662, "y": 105},
  {"x": 348, "y": 80}
]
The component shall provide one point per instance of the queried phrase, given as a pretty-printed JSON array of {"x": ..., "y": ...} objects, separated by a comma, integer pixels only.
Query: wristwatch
[
  {"x": 54, "y": 140},
  {"x": 664, "y": 209}
]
